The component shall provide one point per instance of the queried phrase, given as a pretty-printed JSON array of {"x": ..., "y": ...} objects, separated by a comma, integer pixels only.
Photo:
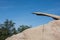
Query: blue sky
[{"x": 20, "y": 11}]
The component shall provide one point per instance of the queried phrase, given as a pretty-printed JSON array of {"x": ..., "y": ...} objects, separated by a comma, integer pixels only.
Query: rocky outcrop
[
  {"x": 55, "y": 17},
  {"x": 49, "y": 31}
]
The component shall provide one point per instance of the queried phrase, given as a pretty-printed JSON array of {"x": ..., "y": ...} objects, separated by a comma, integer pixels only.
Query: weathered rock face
[{"x": 49, "y": 31}]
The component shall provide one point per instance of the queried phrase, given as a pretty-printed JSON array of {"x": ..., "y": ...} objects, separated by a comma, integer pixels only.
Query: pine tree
[
  {"x": 23, "y": 27},
  {"x": 7, "y": 29}
]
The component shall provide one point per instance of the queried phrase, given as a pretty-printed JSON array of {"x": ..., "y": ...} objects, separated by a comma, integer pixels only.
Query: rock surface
[{"x": 49, "y": 31}]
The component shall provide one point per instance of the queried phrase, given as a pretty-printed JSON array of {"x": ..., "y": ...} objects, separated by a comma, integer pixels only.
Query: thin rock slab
[{"x": 49, "y": 31}]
